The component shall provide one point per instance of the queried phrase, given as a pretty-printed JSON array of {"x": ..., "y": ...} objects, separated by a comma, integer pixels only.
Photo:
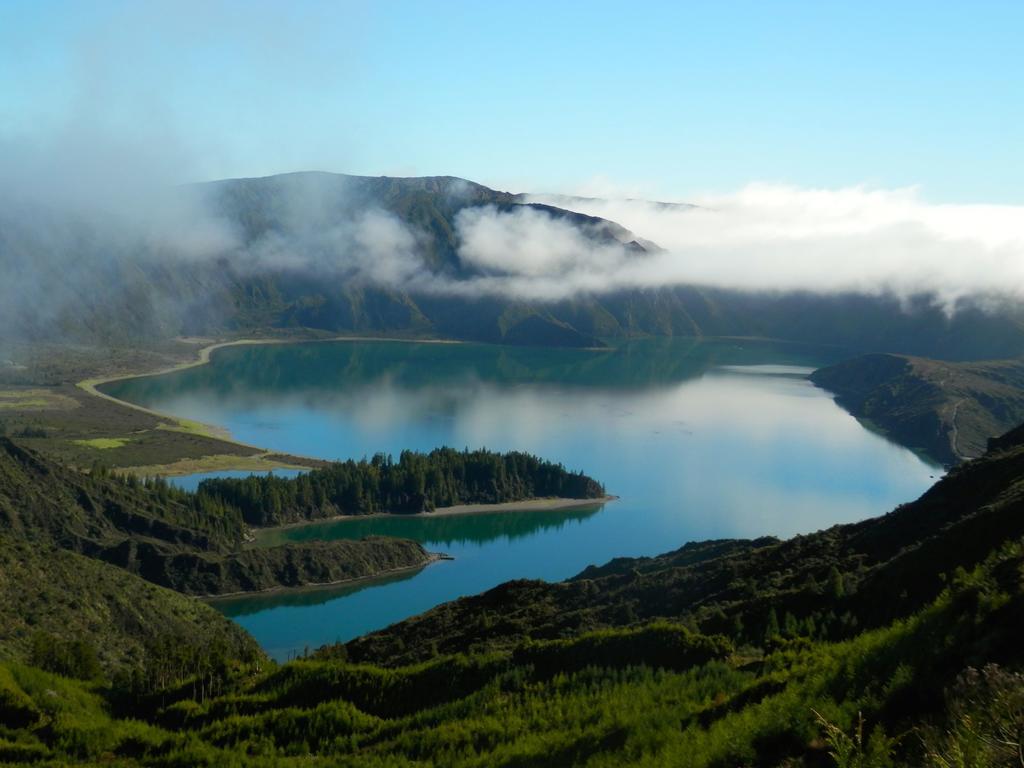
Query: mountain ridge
[{"x": 130, "y": 292}]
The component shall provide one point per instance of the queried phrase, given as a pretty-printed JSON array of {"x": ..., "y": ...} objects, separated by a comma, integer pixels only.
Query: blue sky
[{"x": 665, "y": 100}]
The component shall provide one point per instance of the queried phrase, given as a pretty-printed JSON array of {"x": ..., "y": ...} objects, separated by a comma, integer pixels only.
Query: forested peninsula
[{"x": 417, "y": 482}]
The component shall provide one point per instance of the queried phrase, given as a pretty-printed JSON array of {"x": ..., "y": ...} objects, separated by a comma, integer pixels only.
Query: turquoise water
[{"x": 699, "y": 439}]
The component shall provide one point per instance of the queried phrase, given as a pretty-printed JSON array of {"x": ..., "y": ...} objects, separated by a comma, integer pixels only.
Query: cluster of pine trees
[{"x": 417, "y": 482}]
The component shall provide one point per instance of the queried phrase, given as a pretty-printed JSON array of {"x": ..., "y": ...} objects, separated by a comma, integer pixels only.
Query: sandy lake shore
[{"x": 205, "y": 353}]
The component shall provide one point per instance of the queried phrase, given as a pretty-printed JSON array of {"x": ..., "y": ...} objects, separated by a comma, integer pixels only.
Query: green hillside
[
  {"x": 947, "y": 411},
  {"x": 51, "y": 598}
]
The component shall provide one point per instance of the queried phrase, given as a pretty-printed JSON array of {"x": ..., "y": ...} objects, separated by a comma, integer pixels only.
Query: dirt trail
[{"x": 954, "y": 433}]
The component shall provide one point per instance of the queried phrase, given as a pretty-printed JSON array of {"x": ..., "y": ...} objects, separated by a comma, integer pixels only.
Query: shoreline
[
  {"x": 527, "y": 505},
  {"x": 221, "y": 462},
  {"x": 206, "y": 353},
  {"x": 432, "y": 557}
]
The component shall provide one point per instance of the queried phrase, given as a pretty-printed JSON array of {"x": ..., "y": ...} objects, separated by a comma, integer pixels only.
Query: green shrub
[
  {"x": 659, "y": 645},
  {"x": 70, "y": 658},
  {"x": 17, "y": 710}
]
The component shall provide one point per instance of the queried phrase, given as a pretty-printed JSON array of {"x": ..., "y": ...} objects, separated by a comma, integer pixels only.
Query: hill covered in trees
[{"x": 195, "y": 542}]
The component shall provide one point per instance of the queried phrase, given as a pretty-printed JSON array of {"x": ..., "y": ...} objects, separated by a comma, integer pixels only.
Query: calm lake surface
[{"x": 699, "y": 439}]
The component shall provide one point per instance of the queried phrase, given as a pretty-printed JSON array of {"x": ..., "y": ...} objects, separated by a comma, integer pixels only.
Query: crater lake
[{"x": 698, "y": 439}]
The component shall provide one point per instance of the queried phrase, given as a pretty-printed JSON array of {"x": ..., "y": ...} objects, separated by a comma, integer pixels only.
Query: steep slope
[
  {"x": 43, "y": 501},
  {"x": 946, "y": 410}
]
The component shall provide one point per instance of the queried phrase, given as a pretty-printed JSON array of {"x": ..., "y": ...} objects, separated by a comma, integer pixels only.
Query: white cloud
[
  {"x": 775, "y": 237},
  {"x": 529, "y": 242},
  {"x": 368, "y": 245},
  {"x": 764, "y": 237}
]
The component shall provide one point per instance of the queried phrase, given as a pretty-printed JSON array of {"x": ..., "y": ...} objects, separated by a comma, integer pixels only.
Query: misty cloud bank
[
  {"x": 371, "y": 246},
  {"x": 763, "y": 238},
  {"x": 780, "y": 238},
  {"x": 527, "y": 253},
  {"x": 73, "y": 205}
]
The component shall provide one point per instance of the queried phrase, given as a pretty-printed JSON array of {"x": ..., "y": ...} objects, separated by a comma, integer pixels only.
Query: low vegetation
[
  {"x": 59, "y": 609},
  {"x": 903, "y": 693},
  {"x": 104, "y": 443},
  {"x": 79, "y": 429}
]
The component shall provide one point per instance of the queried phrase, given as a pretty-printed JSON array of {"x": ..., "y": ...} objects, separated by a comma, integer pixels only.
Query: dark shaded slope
[
  {"x": 836, "y": 581},
  {"x": 657, "y": 694},
  {"x": 312, "y": 563}
]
